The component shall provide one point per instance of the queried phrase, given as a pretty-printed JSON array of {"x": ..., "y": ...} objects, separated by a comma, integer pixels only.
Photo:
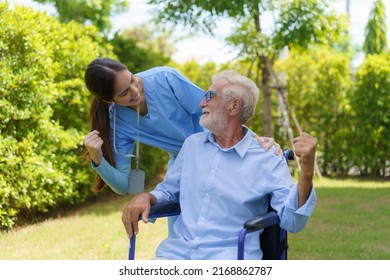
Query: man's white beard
[{"x": 214, "y": 121}]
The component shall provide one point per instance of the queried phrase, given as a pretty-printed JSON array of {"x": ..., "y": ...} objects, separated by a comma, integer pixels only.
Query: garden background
[{"x": 44, "y": 109}]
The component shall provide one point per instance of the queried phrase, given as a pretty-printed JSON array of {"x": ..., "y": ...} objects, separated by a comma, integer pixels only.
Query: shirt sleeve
[
  {"x": 293, "y": 218},
  {"x": 284, "y": 199}
]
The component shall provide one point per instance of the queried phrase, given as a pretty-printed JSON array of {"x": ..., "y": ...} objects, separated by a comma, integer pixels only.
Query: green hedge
[
  {"x": 43, "y": 111},
  {"x": 370, "y": 115}
]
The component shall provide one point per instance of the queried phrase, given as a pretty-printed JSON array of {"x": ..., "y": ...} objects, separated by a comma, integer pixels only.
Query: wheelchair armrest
[
  {"x": 262, "y": 221},
  {"x": 164, "y": 210}
]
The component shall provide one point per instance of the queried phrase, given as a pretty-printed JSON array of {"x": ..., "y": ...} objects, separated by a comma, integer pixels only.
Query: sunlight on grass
[
  {"x": 349, "y": 183},
  {"x": 94, "y": 233}
]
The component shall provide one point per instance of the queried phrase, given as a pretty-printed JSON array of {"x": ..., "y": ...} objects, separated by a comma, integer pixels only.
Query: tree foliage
[
  {"x": 376, "y": 30},
  {"x": 97, "y": 12},
  {"x": 200, "y": 14},
  {"x": 140, "y": 49},
  {"x": 306, "y": 22},
  {"x": 151, "y": 38}
]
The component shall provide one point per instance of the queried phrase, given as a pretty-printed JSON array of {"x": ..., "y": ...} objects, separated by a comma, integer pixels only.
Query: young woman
[{"x": 168, "y": 112}]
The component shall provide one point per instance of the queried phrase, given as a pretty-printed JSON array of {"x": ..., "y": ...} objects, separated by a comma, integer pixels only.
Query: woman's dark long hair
[{"x": 100, "y": 78}]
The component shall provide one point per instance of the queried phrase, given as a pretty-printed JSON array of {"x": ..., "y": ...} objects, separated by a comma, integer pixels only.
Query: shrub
[
  {"x": 43, "y": 111},
  {"x": 370, "y": 107}
]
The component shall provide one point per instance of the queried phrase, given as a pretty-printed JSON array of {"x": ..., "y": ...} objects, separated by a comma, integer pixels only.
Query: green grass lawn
[{"x": 351, "y": 221}]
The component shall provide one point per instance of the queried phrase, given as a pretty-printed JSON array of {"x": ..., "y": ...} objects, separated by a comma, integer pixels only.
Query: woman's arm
[{"x": 115, "y": 178}]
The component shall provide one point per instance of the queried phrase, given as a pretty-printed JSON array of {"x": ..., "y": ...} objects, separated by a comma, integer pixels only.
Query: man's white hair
[{"x": 240, "y": 87}]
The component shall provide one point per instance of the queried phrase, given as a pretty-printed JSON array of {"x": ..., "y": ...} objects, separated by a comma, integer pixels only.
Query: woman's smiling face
[{"x": 126, "y": 89}]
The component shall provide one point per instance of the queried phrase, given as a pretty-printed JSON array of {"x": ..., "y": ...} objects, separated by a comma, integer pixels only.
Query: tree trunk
[
  {"x": 267, "y": 105},
  {"x": 265, "y": 83}
]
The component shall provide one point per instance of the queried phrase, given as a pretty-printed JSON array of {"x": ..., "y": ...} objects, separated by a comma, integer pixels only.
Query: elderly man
[{"x": 223, "y": 176}]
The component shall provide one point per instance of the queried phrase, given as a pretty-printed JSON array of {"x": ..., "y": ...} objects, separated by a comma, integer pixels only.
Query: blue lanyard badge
[{"x": 136, "y": 179}]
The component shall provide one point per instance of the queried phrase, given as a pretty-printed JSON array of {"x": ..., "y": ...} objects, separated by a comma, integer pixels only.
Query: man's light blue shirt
[
  {"x": 173, "y": 114},
  {"x": 219, "y": 189}
]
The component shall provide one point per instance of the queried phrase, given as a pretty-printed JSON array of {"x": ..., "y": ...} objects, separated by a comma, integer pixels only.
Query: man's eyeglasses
[{"x": 208, "y": 94}]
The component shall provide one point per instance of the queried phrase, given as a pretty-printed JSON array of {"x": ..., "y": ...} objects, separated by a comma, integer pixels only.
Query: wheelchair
[{"x": 273, "y": 239}]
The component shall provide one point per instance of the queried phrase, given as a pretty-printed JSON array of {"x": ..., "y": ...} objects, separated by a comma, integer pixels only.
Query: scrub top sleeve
[
  {"x": 115, "y": 178},
  {"x": 187, "y": 93}
]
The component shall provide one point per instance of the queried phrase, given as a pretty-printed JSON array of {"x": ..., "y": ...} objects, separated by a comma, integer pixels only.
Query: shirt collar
[{"x": 241, "y": 147}]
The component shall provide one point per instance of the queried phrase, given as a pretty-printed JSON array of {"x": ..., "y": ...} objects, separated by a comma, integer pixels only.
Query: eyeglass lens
[{"x": 208, "y": 95}]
